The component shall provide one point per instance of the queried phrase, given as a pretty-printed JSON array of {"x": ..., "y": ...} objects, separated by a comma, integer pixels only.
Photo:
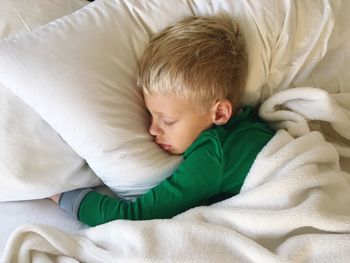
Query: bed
[{"x": 78, "y": 71}]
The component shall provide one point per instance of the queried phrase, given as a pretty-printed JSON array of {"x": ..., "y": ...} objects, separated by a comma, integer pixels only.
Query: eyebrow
[{"x": 161, "y": 114}]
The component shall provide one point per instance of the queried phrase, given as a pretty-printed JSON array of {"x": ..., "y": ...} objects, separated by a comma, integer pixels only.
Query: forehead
[{"x": 167, "y": 104}]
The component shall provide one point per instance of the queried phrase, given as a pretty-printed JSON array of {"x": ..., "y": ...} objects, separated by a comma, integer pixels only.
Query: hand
[{"x": 55, "y": 198}]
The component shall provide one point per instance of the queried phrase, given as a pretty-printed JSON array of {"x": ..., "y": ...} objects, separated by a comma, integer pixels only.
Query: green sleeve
[{"x": 197, "y": 179}]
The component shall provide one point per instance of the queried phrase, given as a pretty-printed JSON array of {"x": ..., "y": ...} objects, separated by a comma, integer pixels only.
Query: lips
[{"x": 164, "y": 146}]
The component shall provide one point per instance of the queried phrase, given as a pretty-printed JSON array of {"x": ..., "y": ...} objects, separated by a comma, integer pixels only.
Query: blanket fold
[{"x": 293, "y": 110}]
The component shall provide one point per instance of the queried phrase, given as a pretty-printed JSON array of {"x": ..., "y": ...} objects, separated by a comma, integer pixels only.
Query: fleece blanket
[{"x": 294, "y": 205}]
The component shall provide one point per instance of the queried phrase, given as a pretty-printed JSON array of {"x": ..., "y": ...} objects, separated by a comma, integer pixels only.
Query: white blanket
[
  {"x": 301, "y": 110},
  {"x": 294, "y": 206}
]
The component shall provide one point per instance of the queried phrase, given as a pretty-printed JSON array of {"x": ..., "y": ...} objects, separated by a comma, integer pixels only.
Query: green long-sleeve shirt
[{"x": 214, "y": 168}]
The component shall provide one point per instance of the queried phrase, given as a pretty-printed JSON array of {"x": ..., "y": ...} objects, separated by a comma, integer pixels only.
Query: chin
[{"x": 176, "y": 153}]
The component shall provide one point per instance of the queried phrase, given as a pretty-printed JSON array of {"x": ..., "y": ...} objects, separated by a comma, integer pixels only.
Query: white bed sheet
[
  {"x": 331, "y": 73},
  {"x": 41, "y": 211},
  {"x": 44, "y": 211}
]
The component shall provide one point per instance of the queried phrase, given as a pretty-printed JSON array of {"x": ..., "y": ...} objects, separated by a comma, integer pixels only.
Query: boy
[{"x": 192, "y": 75}]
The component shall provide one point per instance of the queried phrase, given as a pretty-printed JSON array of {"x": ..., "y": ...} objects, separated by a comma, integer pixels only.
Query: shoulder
[
  {"x": 252, "y": 131},
  {"x": 246, "y": 139},
  {"x": 250, "y": 136},
  {"x": 207, "y": 145},
  {"x": 244, "y": 134},
  {"x": 248, "y": 127}
]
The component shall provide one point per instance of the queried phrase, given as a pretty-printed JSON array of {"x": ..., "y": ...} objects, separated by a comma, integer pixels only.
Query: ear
[{"x": 222, "y": 111}]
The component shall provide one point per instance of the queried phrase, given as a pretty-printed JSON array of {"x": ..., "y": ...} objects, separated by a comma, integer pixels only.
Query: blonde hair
[{"x": 200, "y": 58}]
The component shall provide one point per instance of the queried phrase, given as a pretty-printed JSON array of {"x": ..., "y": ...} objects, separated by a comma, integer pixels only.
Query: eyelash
[
  {"x": 165, "y": 122},
  {"x": 169, "y": 123}
]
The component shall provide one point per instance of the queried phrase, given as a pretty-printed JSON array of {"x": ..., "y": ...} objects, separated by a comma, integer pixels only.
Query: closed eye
[{"x": 169, "y": 123}]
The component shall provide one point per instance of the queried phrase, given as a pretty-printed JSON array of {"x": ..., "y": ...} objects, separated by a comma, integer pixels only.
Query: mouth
[{"x": 166, "y": 147}]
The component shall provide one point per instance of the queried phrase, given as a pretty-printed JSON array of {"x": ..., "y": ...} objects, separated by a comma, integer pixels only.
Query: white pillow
[
  {"x": 18, "y": 16},
  {"x": 79, "y": 73},
  {"x": 34, "y": 161}
]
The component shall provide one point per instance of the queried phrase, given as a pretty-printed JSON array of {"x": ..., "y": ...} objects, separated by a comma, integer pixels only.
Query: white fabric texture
[
  {"x": 329, "y": 69},
  {"x": 301, "y": 110},
  {"x": 293, "y": 108},
  {"x": 34, "y": 161},
  {"x": 293, "y": 207},
  {"x": 83, "y": 66},
  {"x": 312, "y": 215},
  {"x": 19, "y": 16},
  {"x": 40, "y": 211}
]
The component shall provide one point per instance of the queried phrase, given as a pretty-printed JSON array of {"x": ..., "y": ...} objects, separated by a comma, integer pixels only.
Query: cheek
[
  {"x": 181, "y": 136},
  {"x": 186, "y": 137},
  {"x": 176, "y": 136}
]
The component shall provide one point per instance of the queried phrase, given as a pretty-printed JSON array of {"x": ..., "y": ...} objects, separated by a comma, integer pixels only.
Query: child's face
[{"x": 176, "y": 123}]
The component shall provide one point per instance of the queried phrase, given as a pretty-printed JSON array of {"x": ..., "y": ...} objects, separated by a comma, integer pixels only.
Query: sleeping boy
[{"x": 192, "y": 75}]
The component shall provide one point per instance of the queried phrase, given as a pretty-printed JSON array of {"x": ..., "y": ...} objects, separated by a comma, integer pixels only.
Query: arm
[{"x": 197, "y": 179}]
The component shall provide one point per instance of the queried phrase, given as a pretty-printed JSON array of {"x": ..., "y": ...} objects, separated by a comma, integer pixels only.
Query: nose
[{"x": 154, "y": 129}]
